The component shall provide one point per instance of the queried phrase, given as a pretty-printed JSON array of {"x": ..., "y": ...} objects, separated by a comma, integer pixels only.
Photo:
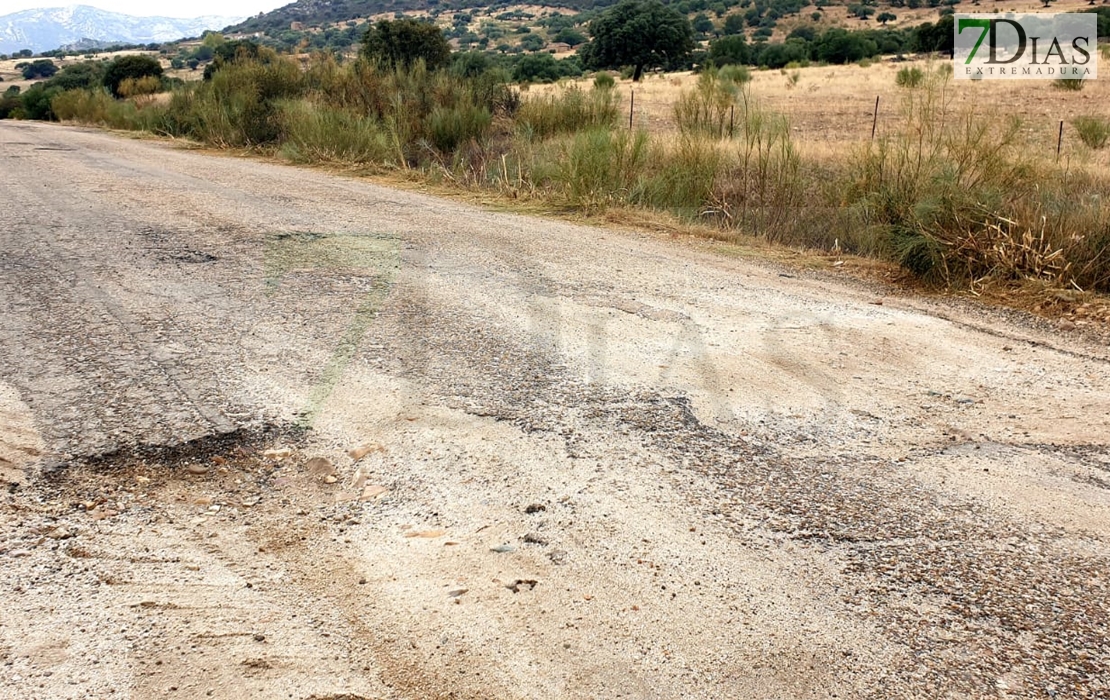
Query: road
[{"x": 597, "y": 463}]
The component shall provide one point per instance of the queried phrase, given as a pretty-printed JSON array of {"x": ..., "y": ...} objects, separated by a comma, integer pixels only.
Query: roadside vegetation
[{"x": 950, "y": 195}]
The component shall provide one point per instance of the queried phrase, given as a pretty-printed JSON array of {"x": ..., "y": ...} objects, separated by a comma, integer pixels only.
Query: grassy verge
[{"x": 950, "y": 196}]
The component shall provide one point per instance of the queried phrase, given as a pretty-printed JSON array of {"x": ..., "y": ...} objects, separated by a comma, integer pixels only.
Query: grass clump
[
  {"x": 604, "y": 81},
  {"x": 571, "y": 111},
  {"x": 1069, "y": 84},
  {"x": 707, "y": 108},
  {"x": 601, "y": 166},
  {"x": 1094, "y": 132},
  {"x": 909, "y": 77},
  {"x": 321, "y": 134}
]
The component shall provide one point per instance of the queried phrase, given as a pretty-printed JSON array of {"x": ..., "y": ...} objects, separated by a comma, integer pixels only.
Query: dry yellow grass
[
  {"x": 11, "y": 76},
  {"x": 831, "y": 107}
]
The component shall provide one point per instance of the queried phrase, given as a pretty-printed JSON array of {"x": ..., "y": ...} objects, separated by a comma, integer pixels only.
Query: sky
[{"x": 146, "y": 8}]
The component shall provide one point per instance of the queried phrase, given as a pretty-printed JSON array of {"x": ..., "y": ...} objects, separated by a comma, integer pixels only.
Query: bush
[
  {"x": 41, "y": 68},
  {"x": 318, "y": 133},
  {"x": 604, "y": 81},
  {"x": 683, "y": 174},
  {"x": 35, "y": 102},
  {"x": 573, "y": 110},
  {"x": 238, "y": 106},
  {"x": 124, "y": 67},
  {"x": 1069, "y": 84},
  {"x": 9, "y": 103},
  {"x": 544, "y": 68},
  {"x": 738, "y": 75},
  {"x": 449, "y": 127},
  {"x": 707, "y": 107},
  {"x": 600, "y": 166},
  {"x": 910, "y": 77},
  {"x": 80, "y": 76},
  {"x": 138, "y": 87},
  {"x": 405, "y": 41},
  {"x": 96, "y": 106},
  {"x": 729, "y": 49},
  {"x": 1093, "y": 131}
]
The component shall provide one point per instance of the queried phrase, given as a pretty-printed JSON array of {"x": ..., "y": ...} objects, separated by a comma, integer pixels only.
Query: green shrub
[
  {"x": 35, "y": 102},
  {"x": 403, "y": 42},
  {"x": 735, "y": 74},
  {"x": 601, "y": 165},
  {"x": 449, "y": 127},
  {"x": 238, "y": 106},
  {"x": 571, "y": 111},
  {"x": 1069, "y": 84},
  {"x": 708, "y": 106},
  {"x": 318, "y": 133},
  {"x": 96, "y": 106},
  {"x": 910, "y": 77},
  {"x": 683, "y": 175},
  {"x": 1093, "y": 131},
  {"x": 604, "y": 81},
  {"x": 134, "y": 66}
]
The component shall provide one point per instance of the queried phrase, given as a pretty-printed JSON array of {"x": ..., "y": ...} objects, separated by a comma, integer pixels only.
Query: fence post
[
  {"x": 631, "y": 107},
  {"x": 731, "y": 118},
  {"x": 1060, "y": 140},
  {"x": 875, "y": 119}
]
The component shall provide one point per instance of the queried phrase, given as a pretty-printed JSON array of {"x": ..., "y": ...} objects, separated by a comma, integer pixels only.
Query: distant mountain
[{"x": 48, "y": 29}]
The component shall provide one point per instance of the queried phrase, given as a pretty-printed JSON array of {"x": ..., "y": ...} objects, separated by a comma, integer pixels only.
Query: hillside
[
  {"x": 560, "y": 25},
  {"x": 48, "y": 29},
  {"x": 321, "y": 13}
]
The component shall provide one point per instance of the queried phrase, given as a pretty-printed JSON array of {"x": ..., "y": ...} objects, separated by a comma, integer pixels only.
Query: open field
[
  {"x": 12, "y": 76},
  {"x": 831, "y": 108}
]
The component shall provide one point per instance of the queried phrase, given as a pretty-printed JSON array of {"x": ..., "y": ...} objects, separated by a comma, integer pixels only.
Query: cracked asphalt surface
[{"x": 595, "y": 463}]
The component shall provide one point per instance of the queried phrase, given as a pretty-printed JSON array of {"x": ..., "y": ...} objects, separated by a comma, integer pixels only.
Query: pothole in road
[
  {"x": 192, "y": 455},
  {"x": 190, "y": 256}
]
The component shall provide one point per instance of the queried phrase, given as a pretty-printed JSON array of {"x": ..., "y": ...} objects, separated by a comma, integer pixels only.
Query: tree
[
  {"x": 543, "y": 68},
  {"x": 885, "y": 17},
  {"x": 931, "y": 37},
  {"x": 841, "y": 46},
  {"x": 729, "y": 49},
  {"x": 42, "y": 68},
  {"x": 638, "y": 33},
  {"x": 80, "y": 76},
  {"x": 702, "y": 23},
  {"x": 124, "y": 67},
  {"x": 571, "y": 36},
  {"x": 232, "y": 52},
  {"x": 532, "y": 42},
  {"x": 212, "y": 39},
  {"x": 734, "y": 24},
  {"x": 403, "y": 41}
]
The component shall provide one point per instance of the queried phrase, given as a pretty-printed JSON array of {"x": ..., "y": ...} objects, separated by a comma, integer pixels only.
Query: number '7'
[{"x": 984, "y": 24}]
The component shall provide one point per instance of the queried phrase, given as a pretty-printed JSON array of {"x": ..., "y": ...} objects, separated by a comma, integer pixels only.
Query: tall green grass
[
  {"x": 568, "y": 112},
  {"x": 1094, "y": 132},
  {"x": 98, "y": 107},
  {"x": 321, "y": 134},
  {"x": 707, "y": 108}
]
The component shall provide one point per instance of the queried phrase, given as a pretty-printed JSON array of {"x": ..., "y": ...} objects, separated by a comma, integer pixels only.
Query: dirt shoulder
[{"x": 595, "y": 464}]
